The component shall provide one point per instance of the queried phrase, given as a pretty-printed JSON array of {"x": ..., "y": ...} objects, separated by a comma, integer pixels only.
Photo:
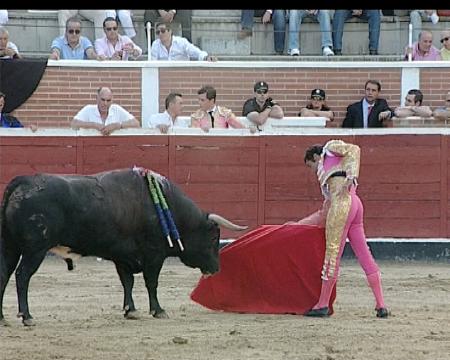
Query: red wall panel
[{"x": 255, "y": 180}]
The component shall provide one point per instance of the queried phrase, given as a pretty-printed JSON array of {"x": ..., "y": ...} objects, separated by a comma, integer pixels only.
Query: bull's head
[{"x": 204, "y": 253}]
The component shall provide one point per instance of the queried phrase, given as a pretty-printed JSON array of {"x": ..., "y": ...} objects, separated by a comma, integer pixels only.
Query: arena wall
[{"x": 259, "y": 179}]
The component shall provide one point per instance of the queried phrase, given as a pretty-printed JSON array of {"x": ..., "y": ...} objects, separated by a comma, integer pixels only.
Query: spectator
[
  {"x": 3, "y": 17},
  {"x": 443, "y": 113},
  {"x": 445, "y": 41},
  {"x": 113, "y": 46},
  {"x": 72, "y": 45},
  {"x": 96, "y": 16},
  {"x": 169, "y": 118},
  {"x": 171, "y": 47},
  {"x": 8, "y": 50},
  {"x": 416, "y": 17},
  {"x": 317, "y": 106},
  {"x": 247, "y": 21},
  {"x": 279, "y": 18},
  {"x": 413, "y": 106},
  {"x": 105, "y": 116},
  {"x": 259, "y": 108},
  {"x": 423, "y": 50},
  {"x": 210, "y": 115},
  {"x": 372, "y": 16},
  {"x": 7, "y": 120},
  {"x": 279, "y": 30},
  {"x": 371, "y": 111},
  {"x": 295, "y": 21},
  {"x": 167, "y": 17}
]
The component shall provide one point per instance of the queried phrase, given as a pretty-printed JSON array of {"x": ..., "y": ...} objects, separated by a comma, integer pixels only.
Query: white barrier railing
[
  {"x": 148, "y": 28},
  {"x": 271, "y": 123}
]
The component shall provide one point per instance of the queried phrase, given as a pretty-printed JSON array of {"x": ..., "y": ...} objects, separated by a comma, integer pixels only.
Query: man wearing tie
[
  {"x": 210, "y": 115},
  {"x": 369, "y": 112}
]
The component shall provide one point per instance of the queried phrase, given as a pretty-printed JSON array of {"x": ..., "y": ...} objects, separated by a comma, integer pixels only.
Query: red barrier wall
[{"x": 262, "y": 180}]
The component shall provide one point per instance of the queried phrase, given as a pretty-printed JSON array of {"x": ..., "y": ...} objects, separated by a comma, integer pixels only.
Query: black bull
[{"x": 108, "y": 215}]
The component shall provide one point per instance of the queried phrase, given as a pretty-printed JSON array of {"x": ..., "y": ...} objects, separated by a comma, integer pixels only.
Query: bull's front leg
[
  {"x": 151, "y": 275},
  {"x": 127, "y": 280}
]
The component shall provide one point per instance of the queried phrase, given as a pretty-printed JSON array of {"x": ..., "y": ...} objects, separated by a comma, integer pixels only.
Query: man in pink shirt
[
  {"x": 423, "y": 50},
  {"x": 114, "y": 46}
]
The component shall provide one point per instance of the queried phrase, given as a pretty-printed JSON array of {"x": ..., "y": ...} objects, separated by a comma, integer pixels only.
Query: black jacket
[{"x": 354, "y": 117}]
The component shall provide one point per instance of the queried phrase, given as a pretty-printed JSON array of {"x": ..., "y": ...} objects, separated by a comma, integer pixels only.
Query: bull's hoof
[
  {"x": 161, "y": 315},
  {"x": 70, "y": 264},
  {"x": 3, "y": 322},
  {"x": 131, "y": 315},
  {"x": 28, "y": 322}
]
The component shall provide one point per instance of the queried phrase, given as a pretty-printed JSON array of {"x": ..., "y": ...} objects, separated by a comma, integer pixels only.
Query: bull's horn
[{"x": 226, "y": 223}]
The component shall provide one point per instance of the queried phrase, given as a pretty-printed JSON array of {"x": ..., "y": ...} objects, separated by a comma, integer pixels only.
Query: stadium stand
[{"x": 216, "y": 31}]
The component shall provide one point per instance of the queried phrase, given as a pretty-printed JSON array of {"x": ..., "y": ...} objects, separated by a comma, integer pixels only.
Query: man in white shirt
[
  {"x": 169, "y": 118},
  {"x": 171, "y": 47},
  {"x": 105, "y": 116},
  {"x": 8, "y": 50}
]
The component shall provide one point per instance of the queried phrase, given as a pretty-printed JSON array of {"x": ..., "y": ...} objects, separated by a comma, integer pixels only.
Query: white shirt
[
  {"x": 10, "y": 45},
  {"x": 165, "y": 119},
  {"x": 116, "y": 114},
  {"x": 181, "y": 49}
]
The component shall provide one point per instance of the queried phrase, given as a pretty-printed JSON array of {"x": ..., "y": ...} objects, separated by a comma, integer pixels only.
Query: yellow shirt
[{"x": 445, "y": 54}]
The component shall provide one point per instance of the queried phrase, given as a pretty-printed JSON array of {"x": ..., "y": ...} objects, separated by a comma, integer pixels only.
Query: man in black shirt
[{"x": 261, "y": 107}]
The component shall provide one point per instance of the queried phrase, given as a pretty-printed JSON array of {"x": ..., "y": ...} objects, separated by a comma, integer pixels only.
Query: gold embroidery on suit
[{"x": 340, "y": 203}]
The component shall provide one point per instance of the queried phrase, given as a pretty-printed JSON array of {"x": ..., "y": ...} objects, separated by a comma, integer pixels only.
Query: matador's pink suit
[{"x": 344, "y": 218}]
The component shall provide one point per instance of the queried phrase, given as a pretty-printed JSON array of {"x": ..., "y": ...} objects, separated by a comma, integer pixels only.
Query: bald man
[
  {"x": 105, "y": 116},
  {"x": 423, "y": 49}
]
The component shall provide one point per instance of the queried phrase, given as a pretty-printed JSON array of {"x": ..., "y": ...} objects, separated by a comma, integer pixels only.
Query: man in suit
[{"x": 371, "y": 111}]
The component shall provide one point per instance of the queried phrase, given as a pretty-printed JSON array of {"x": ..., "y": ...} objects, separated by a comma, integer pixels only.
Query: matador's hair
[{"x": 314, "y": 149}]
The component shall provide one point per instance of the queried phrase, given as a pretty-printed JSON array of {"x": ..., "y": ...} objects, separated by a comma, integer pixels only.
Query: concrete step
[{"x": 216, "y": 32}]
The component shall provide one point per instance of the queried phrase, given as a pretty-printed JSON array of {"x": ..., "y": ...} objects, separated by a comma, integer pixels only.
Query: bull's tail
[{"x": 9, "y": 251}]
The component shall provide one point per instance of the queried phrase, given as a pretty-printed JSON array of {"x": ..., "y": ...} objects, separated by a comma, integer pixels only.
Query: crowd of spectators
[
  {"x": 370, "y": 111},
  {"x": 331, "y": 24}
]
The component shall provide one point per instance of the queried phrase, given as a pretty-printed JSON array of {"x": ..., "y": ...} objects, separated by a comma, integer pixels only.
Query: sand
[{"x": 78, "y": 316}]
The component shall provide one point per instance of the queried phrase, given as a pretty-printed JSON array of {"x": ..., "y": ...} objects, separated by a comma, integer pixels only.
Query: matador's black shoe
[
  {"x": 382, "y": 312},
  {"x": 322, "y": 312}
]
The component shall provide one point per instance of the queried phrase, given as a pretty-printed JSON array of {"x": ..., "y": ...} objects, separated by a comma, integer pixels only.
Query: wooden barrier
[{"x": 259, "y": 179}]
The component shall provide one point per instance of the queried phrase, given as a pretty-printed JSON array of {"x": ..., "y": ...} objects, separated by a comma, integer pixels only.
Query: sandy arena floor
[{"x": 78, "y": 316}]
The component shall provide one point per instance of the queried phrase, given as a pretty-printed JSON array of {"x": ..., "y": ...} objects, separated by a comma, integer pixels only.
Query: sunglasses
[
  {"x": 162, "y": 31},
  {"x": 261, "y": 91},
  {"x": 317, "y": 98},
  {"x": 73, "y": 31},
  {"x": 445, "y": 39},
  {"x": 111, "y": 28}
]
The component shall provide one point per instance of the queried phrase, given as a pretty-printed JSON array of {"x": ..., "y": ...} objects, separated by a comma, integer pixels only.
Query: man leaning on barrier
[
  {"x": 171, "y": 117},
  {"x": 105, "y": 116},
  {"x": 413, "y": 106},
  {"x": 259, "y": 108},
  {"x": 72, "y": 45}
]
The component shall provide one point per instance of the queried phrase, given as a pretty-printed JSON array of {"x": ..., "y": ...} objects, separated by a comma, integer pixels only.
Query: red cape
[{"x": 274, "y": 269}]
